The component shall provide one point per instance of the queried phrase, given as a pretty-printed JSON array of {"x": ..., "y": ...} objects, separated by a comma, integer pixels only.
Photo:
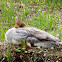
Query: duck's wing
[{"x": 40, "y": 34}]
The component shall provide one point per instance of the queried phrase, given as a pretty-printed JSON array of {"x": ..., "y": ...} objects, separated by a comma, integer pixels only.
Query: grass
[{"x": 42, "y": 14}]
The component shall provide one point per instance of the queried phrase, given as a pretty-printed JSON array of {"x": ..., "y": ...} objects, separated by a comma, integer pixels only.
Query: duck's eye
[{"x": 21, "y": 26}]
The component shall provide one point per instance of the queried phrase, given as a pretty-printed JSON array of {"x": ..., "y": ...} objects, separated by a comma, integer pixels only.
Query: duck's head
[{"x": 19, "y": 23}]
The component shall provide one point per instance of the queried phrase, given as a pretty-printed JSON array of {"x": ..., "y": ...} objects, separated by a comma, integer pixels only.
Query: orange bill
[{"x": 16, "y": 26}]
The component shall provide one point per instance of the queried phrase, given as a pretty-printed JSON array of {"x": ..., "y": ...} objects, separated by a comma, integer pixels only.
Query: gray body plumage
[{"x": 33, "y": 35}]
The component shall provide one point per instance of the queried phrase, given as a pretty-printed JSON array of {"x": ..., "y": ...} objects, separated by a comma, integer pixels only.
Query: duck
[{"x": 34, "y": 36}]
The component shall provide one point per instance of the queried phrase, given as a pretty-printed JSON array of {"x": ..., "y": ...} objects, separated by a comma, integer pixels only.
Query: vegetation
[{"x": 43, "y": 14}]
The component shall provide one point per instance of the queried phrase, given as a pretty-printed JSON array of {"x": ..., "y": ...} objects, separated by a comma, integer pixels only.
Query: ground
[{"x": 45, "y": 15}]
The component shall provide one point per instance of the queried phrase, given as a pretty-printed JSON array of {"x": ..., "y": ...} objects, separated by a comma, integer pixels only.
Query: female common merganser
[{"x": 34, "y": 36}]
